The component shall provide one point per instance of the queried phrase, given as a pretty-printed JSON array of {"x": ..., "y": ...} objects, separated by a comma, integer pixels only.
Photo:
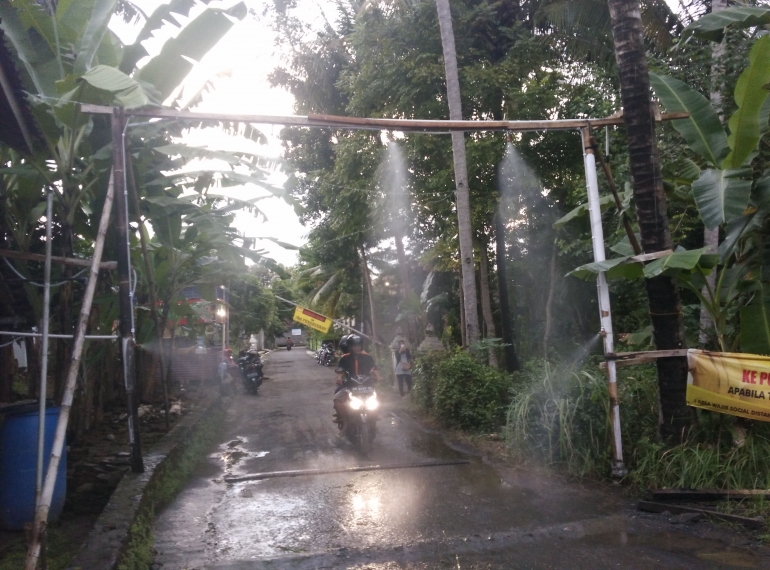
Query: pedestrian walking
[{"x": 404, "y": 368}]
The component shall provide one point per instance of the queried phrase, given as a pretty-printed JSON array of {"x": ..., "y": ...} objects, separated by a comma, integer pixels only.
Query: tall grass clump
[{"x": 561, "y": 416}]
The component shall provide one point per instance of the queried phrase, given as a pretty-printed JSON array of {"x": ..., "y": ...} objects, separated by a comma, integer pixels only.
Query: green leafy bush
[
  {"x": 424, "y": 377},
  {"x": 460, "y": 391}
]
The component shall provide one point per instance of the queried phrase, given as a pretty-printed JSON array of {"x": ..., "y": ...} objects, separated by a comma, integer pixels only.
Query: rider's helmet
[
  {"x": 354, "y": 339},
  {"x": 344, "y": 343}
]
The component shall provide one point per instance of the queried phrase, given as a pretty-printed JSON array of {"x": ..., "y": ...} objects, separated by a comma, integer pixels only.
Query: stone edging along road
[{"x": 122, "y": 536}]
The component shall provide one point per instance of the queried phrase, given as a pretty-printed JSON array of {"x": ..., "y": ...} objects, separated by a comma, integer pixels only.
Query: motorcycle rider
[
  {"x": 289, "y": 342},
  {"x": 354, "y": 363}
]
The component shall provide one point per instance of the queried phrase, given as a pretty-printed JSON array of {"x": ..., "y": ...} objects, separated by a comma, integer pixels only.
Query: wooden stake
[{"x": 41, "y": 514}]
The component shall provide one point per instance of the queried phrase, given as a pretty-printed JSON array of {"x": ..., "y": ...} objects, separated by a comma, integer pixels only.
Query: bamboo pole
[
  {"x": 41, "y": 513},
  {"x": 405, "y": 125},
  {"x": 44, "y": 348},
  {"x": 55, "y": 259}
]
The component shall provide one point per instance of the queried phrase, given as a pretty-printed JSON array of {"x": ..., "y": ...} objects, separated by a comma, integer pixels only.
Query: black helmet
[{"x": 354, "y": 339}]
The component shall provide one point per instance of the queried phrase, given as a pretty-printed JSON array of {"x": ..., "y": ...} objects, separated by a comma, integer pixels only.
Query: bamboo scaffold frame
[{"x": 119, "y": 115}]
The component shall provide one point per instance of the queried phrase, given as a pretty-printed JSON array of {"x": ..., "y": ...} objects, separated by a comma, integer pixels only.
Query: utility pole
[{"x": 125, "y": 295}]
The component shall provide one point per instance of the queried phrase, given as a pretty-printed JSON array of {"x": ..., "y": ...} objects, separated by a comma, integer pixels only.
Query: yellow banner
[
  {"x": 730, "y": 383},
  {"x": 313, "y": 320}
]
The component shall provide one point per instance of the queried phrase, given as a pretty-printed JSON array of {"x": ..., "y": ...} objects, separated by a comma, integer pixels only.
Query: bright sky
[{"x": 241, "y": 63}]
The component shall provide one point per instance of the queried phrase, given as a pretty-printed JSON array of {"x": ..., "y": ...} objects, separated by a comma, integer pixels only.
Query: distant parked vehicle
[
  {"x": 325, "y": 354},
  {"x": 250, "y": 366}
]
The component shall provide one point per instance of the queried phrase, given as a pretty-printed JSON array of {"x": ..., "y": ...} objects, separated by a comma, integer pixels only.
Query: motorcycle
[
  {"x": 325, "y": 354},
  {"x": 358, "y": 414},
  {"x": 250, "y": 366},
  {"x": 289, "y": 344}
]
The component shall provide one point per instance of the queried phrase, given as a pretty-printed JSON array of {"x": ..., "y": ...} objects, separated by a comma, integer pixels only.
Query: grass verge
[{"x": 166, "y": 482}]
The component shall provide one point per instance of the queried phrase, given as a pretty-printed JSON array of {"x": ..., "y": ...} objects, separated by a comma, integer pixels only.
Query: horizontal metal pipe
[
  {"x": 406, "y": 125},
  {"x": 36, "y": 335},
  {"x": 303, "y": 472}
]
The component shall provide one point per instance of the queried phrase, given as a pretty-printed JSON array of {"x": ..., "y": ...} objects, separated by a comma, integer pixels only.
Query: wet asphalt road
[{"x": 473, "y": 516}]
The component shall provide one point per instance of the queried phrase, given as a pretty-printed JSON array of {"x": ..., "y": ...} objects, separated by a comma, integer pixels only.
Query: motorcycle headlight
[
  {"x": 356, "y": 403},
  {"x": 372, "y": 403}
]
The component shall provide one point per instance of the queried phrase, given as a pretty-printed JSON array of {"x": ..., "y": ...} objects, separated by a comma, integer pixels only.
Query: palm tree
[
  {"x": 464, "y": 225},
  {"x": 651, "y": 210}
]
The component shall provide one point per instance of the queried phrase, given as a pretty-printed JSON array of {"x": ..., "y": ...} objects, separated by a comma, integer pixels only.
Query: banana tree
[{"x": 727, "y": 192}]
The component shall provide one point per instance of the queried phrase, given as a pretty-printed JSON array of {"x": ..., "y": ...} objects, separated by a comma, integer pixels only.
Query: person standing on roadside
[{"x": 404, "y": 368}]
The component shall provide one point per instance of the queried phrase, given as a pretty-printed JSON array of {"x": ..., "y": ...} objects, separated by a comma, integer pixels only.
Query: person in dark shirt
[{"x": 354, "y": 363}]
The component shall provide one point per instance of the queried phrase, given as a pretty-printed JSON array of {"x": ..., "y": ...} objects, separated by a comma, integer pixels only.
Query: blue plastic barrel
[{"x": 18, "y": 464}]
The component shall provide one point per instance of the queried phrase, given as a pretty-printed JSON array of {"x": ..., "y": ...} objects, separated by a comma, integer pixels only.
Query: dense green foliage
[{"x": 461, "y": 392}]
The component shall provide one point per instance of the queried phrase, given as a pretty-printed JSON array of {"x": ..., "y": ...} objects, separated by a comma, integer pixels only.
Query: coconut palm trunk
[
  {"x": 462, "y": 193},
  {"x": 651, "y": 210}
]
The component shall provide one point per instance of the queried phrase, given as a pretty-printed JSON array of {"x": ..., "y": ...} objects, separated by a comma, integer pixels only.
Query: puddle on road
[{"x": 231, "y": 453}]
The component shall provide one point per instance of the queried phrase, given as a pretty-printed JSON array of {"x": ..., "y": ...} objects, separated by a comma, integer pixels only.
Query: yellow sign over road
[
  {"x": 313, "y": 320},
  {"x": 729, "y": 383}
]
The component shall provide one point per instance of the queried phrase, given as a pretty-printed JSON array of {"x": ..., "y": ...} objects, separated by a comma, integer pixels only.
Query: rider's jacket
[{"x": 360, "y": 364}]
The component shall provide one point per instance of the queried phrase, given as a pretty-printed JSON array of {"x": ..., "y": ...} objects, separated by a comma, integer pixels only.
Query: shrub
[
  {"x": 469, "y": 395},
  {"x": 461, "y": 392},
  {"x": 424, "y": 377}
]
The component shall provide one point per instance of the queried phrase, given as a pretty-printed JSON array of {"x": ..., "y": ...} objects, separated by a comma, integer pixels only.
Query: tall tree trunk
[
  {"x": 549, "y": 303},
  {"x": 506, "y": 320},
  {"x": 463, "y": 330},
  {"x": 370, "y": 293},
  {"x": 464, "y": 220},
  {"x": 486, "y": 300},
  {"x": 651, "y": 210},
  {"x": 711, "y": 237}
]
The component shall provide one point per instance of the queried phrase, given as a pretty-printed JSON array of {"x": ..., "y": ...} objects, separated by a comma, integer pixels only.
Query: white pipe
[
  {"x": 605, "y": 314},
  {"x": 38, "y": 335},
  {"x": 44, "y": 348}
]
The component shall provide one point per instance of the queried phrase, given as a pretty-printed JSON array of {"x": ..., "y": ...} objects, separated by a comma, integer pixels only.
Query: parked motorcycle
[
  {"x": 358, "y": 414},
  {"x": 250, "y": 366},
  {"x": 325, "y": 354}
]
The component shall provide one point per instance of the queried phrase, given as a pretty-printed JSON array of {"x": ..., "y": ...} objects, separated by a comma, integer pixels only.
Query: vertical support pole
[
  {"x": 605, "y": 314},
  {"x": 41, "y": 513},
  {"x": 44, "y": 347},
  {"x": 124, "y": 288}
]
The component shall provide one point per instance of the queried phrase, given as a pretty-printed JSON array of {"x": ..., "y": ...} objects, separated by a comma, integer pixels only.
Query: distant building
[{"x": 299, "y": 339}]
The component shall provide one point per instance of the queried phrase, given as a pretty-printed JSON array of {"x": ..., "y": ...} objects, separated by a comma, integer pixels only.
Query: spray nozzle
[
  {"x": 603, "y": 332},
  {"x": 507, "y": 137}
]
